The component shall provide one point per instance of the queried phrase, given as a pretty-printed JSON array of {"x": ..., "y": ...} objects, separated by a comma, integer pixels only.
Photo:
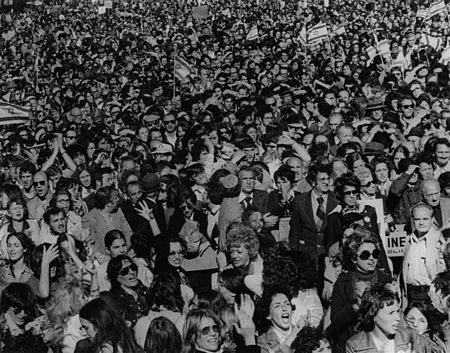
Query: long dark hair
[
  {"x": 165, "y": 291},
  {"x": 27, "y": 244},
  {"x": 110, "y": 326},
  {"x": 163, "y": 337},
  {"x": 431, "y": 314}
]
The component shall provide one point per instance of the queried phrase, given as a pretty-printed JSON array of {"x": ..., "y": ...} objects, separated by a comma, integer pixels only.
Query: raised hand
[
  {"x": 144, "y": 211},
  {"x": 50, "y": 254}
]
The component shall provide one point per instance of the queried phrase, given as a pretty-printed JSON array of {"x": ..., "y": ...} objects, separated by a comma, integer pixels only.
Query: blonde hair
[{"x": 66, "y": 302}]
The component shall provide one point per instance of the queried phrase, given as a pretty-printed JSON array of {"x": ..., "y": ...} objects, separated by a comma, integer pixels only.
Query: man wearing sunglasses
[
  {"x": 40, "y": 202},
  {"x": 170, "y": 129},
  {"x": 423, "y": 256}
]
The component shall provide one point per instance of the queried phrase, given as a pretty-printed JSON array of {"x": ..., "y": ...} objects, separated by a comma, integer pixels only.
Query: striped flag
[
  {"x": 13, "y": 114},
  {"x": 253, "y": 33},
  {"x": 317, "y": 32},
  {"x": 182, "y": 68},
  {"x": 371, "y": 53},
  {"x": 384, "y": 48},
  {"x": 432, "y": 41},
  {"x": 339, "y": 30},
  {"x": 302, "y": 36},
  {"x": 399, "y": 61},
  {"x": 436, "y": 8},
  {"x": 422, "y": 13}
]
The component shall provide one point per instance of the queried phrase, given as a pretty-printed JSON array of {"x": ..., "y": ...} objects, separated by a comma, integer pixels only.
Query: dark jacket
[
  {"x": 132, "y": 310},
  {"x": 303, "y": 235},
  {"x": 335, "y": 228},
  {"x": 401, "y": 198},
  {"x": 343, "y": 315}
]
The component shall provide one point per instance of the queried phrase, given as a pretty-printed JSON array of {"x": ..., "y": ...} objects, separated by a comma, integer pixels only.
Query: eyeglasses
[
  {"x": 174, "y": 253},
  {"x": 366, "y": 254},
  {"x": 124, "y": 271},
  {"x": 367, "y": 184},
  {"x": 407, "y": 106},
  {"x": 206, "y": 330},
  {"x": 351, "y": 192},
  {"x": 187, "y": 207},
  {"x": 64, "y": 200},
  {"x": 169, "y": 122},
  {"x": 41, "y": 183},
  {"x": 71, "y": 137},
  {"x": 17, "y": 311}
]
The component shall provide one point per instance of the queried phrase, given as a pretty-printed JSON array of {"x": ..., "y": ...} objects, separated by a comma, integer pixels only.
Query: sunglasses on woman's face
[
  {"x": 17, "y": 311},
  {"x": 126, "y": 270},
  {"x": 206, "y": 330},
  {"x": 366, "y": 254}
]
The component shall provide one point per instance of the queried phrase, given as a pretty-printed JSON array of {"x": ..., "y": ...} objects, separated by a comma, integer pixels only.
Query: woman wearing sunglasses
[
  {"x": 349, "y": 213},
  {"x": 18, "y": 310},
  {"x": 126, "y": 289},
  {"x": 361, "y": 254},
  {"x": 201, "y": 332}
]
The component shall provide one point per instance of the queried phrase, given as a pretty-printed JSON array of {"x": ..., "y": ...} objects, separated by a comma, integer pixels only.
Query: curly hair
[
  {"x": 308, "y": 340},
  {"x": 64, "y": 304},
  {"x": 355, "y": 240},
  {"x": 165, "y": 292},
  {"x": 373, "y": 301},
  {"x": 245, "y": 236},
  {"x": 233, "y": 280},
  {"x": 266, "y": 300},
  {"x": 348, "y": 179}
]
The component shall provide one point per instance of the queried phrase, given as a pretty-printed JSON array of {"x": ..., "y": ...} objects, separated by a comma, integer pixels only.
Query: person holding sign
[{"x": 423, "y": 255}]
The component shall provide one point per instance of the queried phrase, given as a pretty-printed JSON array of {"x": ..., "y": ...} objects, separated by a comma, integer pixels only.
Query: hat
[
  {"x": 375, "y": 104},
  {"x": 230, "y": 181},
  {"x": 150, "y": 183},
  {"x": 374, "y": 149},
  {"x": 392, "y": 117},
  {"x": 416, "y": 131},
  {"x": 163, "y": 148}
]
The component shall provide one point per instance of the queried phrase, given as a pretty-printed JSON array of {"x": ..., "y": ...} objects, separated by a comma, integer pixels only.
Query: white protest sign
[
  {"x": 108, "y": 4},
  {"x": 101, "y": 10},
  {"x": 396, "y": 241}
]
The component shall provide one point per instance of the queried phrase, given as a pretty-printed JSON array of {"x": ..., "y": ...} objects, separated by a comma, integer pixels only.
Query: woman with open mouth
[
  {"x": 276, "y": 303},
  {"x": 127, "y": 292}
]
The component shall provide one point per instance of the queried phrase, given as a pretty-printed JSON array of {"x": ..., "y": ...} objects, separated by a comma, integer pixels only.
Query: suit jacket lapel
[{"x": 308, "y": 209}]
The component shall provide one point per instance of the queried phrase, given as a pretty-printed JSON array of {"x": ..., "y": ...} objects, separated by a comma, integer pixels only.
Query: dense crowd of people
[{"x": 214, "y": 179}]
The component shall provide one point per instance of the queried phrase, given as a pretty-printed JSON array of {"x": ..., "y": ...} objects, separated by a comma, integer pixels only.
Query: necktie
[
  {"x": 320, "y": 209},
  {"x": 246, "y": 202}
]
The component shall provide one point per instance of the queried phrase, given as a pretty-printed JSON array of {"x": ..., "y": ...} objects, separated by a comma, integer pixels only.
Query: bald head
[
  {"x": 431, "y": 191},
  {"x": 296, "y": 165}
]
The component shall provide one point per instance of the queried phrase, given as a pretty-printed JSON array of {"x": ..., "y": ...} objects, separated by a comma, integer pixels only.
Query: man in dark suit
[
  {"x": 249, "y": 196},
  {"x": 309, "y": 215},
  {"x": 150, "y": 185}
]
